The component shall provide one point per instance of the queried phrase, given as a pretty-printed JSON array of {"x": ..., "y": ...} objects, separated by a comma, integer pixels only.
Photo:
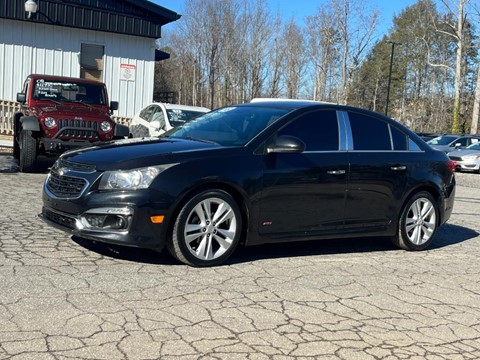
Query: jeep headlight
[
  {"x": 49, "y": 122},
  {"x": 131, "y": 179},
  {"x": 105, "y": 126}
]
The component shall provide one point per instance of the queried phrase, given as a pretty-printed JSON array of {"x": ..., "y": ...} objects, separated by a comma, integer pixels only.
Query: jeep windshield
[{"x": 68, "y": 91}]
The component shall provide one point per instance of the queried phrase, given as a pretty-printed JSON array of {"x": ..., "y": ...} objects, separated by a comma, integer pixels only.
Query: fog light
[
  {"x": 115, "y": 222},
  {"x": 95, "y": 221},
  {"x": 107, "y": 219}
]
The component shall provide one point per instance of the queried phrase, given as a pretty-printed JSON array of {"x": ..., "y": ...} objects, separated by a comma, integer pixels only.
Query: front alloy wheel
[
  {"x": 418, "y": 223},
  {"x": 207, "y": 229}
]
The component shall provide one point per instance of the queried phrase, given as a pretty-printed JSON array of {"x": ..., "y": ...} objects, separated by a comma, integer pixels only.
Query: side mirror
[
  {"x": 121, "y": 131},
  {"x": 21, "y": 98},
  {"x": 458, "y": 146},
  {"x": 286, "y": 144},
  {"x": 113, "y": 105}
]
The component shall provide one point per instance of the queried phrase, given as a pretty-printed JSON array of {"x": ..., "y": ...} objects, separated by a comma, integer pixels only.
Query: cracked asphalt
[{"x": 68, "y": 298}]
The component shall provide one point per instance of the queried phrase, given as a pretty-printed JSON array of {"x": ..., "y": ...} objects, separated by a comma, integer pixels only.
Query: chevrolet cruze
[{"x": 263, "y": 172}]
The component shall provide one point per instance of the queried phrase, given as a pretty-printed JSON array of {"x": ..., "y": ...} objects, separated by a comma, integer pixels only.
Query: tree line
[{"x": 424, "y": 71}]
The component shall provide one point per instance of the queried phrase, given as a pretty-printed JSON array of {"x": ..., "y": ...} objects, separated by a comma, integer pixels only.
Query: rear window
[{"x": 179, "y": 117}]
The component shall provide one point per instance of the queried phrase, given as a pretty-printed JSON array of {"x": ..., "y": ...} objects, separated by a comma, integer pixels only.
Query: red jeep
[{"x": 59, "y": 114}]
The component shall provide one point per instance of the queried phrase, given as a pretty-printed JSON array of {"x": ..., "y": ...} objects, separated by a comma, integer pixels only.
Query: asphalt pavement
[{"x": 68, "y": 298}]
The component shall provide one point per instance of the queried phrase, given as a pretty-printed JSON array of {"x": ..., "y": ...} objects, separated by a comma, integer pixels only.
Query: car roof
[
  {"x": 65, "y": 79},
  {"x": 183, "y": 107},
  {"x": 290, "y": 104}
]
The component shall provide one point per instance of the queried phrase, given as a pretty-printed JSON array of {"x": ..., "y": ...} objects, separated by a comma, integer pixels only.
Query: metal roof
[{"x": 131, "y": 17}]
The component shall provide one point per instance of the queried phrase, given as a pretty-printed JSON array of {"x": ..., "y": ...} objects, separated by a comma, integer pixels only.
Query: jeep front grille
[
  {"x": 65, "y": 187},
  {"x": 78, "y": 129}
]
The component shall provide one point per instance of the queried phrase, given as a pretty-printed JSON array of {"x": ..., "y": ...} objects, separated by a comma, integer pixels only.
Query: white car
[
  {"x": 467, "y": 159},
  {"x": 157, "y": 118}
]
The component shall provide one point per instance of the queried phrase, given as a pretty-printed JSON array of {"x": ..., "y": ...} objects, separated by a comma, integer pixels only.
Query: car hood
[
  {"x": 136, "y": 153},
  {"x": 444, "y": 148},
  {"x": 463, "y": 152},
  {"x": 72, "y": 110}
]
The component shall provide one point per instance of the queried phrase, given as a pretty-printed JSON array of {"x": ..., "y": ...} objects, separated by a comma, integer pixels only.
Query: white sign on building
[{"x": 127, "y": 72}]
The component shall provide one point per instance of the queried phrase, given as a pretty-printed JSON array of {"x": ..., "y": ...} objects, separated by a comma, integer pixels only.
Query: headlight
[
  {"x": 471, "y": 157},
  {"x": 105, "y": 126},
  {"x": 49, "y": 122},
  {"x": 131, "y": 179}
]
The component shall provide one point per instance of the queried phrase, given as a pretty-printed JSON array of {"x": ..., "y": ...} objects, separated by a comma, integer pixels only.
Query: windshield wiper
[
  {"x": 201, "y": 140},
  {"x": 83, "y": 103},
  {"x": 54, "y": 101}
]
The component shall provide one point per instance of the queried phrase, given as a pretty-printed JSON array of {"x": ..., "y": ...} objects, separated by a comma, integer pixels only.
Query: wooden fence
[{"x": 8, "y": 108}]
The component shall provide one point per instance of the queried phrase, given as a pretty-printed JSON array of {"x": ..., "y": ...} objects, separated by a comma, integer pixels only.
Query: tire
[
  {"x": 28, "y": 151},
  {"x": 418, "y": 223},
  {"x": 16, "y": 146},
  {"x": 207, "y": 229}
]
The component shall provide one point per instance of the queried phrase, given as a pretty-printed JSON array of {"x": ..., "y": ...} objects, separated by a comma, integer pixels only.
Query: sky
[{"x": 299, "y": 9}]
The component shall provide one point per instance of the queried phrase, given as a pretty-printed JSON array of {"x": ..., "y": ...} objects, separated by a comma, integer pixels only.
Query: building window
[{"x": 91, "y": 61}]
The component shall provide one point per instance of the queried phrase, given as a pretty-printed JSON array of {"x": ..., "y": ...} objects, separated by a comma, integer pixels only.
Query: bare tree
[
  {"x": 323, "y": 42},
  {"x": 356, "y": 26},
  {"x": 456, "y": 30},
  {"x": 275, "y": 61},
  {"x": 293, "y": 43},
  {"x": 476, "y": 102}
]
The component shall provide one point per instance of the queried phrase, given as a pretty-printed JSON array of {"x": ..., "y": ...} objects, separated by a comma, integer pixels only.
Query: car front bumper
[
  {"x": 466, "y": 165},
  {"x": 104, "y": 217}
]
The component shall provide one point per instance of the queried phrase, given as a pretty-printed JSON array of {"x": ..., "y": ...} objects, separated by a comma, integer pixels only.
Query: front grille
[
  {"x": 64, "y": 187},
  {"x": 86, "y": 168},
  {"x": 79, "y": 129},
  {"x": 456, "y": 158},
  {"x": 60, "y": 219}
]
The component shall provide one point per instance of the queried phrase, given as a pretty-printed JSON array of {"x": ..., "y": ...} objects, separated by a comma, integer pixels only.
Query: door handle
[
  {"x": 336, "y": 172},
  {"x": 398, "y": 168}
]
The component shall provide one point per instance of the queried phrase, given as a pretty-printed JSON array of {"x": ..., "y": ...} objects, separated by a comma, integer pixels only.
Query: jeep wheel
[
  {"x": 16, "y": 148},
  {"x": 28, "y": 151}
]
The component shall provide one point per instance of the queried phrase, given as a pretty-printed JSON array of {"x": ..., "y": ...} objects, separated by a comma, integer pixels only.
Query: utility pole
[{"x": 393, "y": 43}]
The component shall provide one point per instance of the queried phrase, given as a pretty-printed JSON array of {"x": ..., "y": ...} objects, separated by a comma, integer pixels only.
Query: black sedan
[{"x": 255, "y": 173}]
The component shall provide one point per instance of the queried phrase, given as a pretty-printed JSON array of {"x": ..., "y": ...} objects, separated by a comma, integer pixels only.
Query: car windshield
[
  {"x": 442, "y": 140},
  {"x": 230, "y": 126},
  {"x": 67, "y": 91},
  {"x": 475, "y": 146},
  {"x": 179, "y": 117}
]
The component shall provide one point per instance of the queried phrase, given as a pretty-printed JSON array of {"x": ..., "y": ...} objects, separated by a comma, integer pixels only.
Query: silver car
[
  {"x": 467, "y": 159},
  {"x": 448, "y": 142}
]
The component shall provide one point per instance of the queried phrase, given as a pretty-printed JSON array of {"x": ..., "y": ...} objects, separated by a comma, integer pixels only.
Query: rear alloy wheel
[
  {"x": 418, "y": 223},
  {"x": 207, "y": 229},
  {"x": 28, "y": 151}
]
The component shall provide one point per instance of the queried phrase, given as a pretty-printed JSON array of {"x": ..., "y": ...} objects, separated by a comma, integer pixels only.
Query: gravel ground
[{"x": 468, "y": 179}]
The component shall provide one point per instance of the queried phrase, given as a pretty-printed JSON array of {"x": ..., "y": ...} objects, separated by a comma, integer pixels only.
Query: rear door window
[{"x": 369, "y": 133}]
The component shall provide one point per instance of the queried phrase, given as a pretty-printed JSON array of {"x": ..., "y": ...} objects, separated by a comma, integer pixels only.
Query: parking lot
[{"x": 68, "y": 298}]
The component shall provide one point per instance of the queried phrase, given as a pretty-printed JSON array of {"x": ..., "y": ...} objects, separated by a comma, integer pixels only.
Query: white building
[{"x": 109, "y": 40}]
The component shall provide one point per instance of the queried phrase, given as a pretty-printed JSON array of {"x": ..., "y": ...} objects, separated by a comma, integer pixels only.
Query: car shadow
[
  {"x": 128, "y": 253},
  {"x": 447, "y": 235},
  {"x": 9, "y": 165}
]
